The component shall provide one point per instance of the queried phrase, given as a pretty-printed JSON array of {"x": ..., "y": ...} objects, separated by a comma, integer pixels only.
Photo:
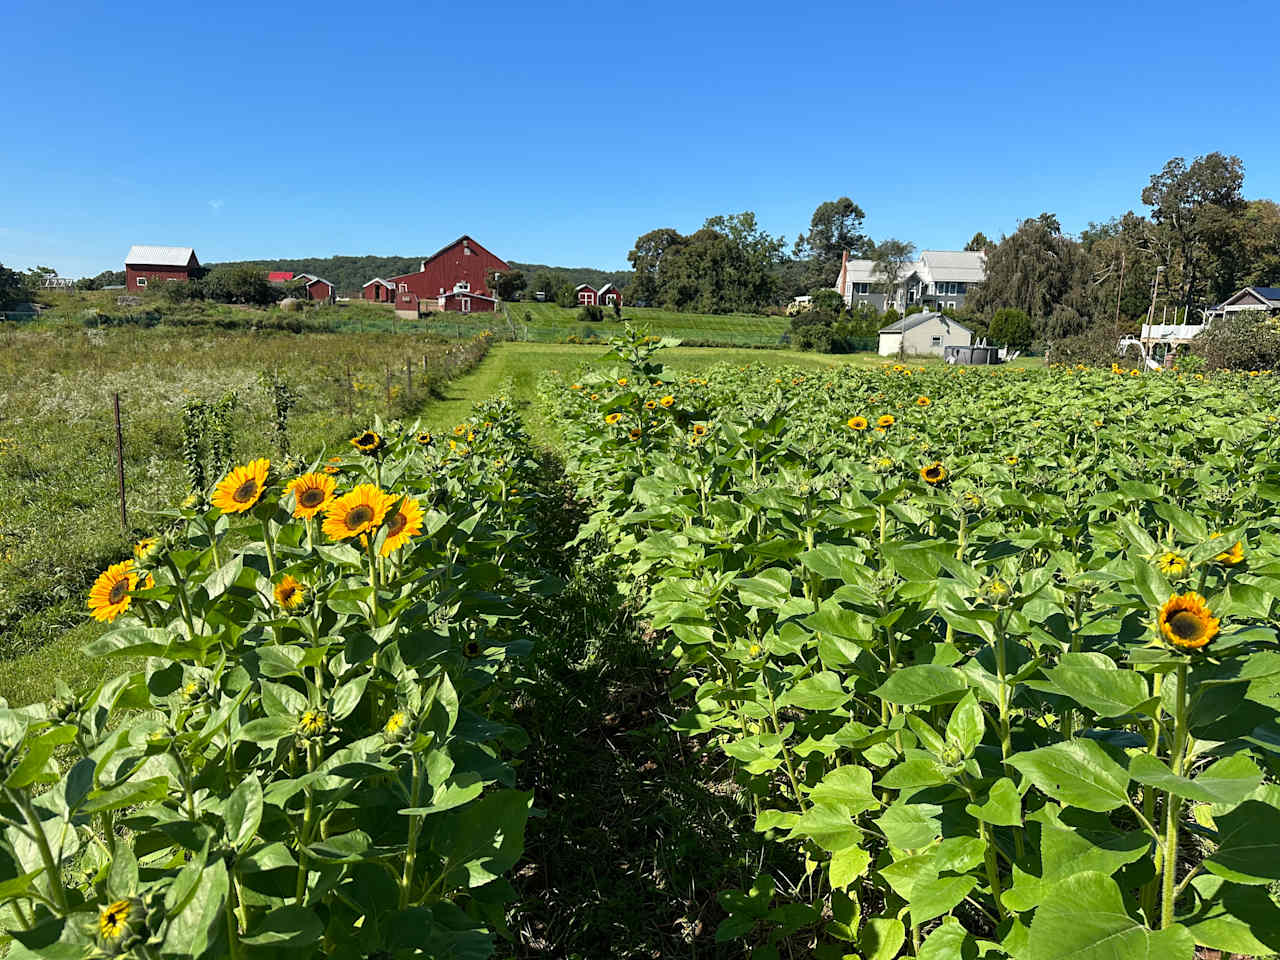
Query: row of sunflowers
[
  {"x": 310, "y": 751},
  {"x": 993, "y": 652}
]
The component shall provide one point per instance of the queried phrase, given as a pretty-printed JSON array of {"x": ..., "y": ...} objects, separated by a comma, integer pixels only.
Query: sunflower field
[
  {"x": 316, "y": 757},
  {"x": 992, "y": 653}
]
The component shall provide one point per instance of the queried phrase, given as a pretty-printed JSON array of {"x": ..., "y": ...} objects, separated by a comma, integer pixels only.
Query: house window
[
  {"x": 951, "y": 304},
  {"x": 935, "y": 341},
  {"x": 862, "y": 288},
  {"x": 960, "y": 288},
  {"x": 404, "y": 288},
  {"x": 142, "y": 281}
]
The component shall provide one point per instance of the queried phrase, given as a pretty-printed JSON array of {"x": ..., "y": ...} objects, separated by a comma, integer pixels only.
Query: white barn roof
[{"x": 159, "y": 256}]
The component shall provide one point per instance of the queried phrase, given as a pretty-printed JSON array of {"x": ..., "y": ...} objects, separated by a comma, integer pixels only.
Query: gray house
[
  {"x": 940, "y": 279},
  {"x": 1250, "y": 298},
  {"x": 923, "y": 334}
]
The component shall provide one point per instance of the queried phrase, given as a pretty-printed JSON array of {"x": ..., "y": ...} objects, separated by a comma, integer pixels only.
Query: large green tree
[
  {"x": 13, "y": 286},
  {"x": 834, "y": 229},
  {"x": 1033, "y": 270},
  {"x": 1195, "y": 206},
  {"x": 892, "y": 259}
]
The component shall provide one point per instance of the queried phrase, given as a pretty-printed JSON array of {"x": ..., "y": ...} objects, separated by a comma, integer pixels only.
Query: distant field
[{"x": 548, "y": 323}]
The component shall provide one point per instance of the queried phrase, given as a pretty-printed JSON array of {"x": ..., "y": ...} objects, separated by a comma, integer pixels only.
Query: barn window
[
  {"x": 142, "y": 281},
  {"x": 466, "y": 304},
  {"x": 404, "y": 288}
]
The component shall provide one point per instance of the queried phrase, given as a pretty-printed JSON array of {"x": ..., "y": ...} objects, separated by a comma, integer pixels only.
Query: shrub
[
  {"x": 1240, "y": 341},
  {"x": 590, "y": 314},
  {"x": 1011, "y": 328}
]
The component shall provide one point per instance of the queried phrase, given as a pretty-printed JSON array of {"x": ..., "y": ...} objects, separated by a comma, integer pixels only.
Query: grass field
[{"x": 59, "y": 512}]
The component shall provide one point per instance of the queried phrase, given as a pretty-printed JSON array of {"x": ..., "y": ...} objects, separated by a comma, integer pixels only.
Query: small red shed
[
  {"x": 378, "y": 290},
  {"x": 608, "y": 295},
  {"x": 586, "y": 294},
  {"x": 317, "y": 288}
]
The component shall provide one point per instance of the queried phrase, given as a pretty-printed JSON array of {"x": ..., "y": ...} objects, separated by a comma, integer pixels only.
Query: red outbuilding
[
  {"x": 378, "y": 290},
  {"x": 317, "y": 288},
  {"x": 457, "y": 273},
  {"x": 586, "y": 294},
  {"x": 608, "y": 295},
  {"x": 147, "y": 263},
  {"x": 279, "y": 276}
]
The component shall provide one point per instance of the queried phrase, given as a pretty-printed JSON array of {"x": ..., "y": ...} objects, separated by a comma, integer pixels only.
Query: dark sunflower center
[
  {"x": 359, "y": 516},
  {"x": 398, "y": 523},
  {"x": 933, "y": 473},
  {"x": 287, "y": 593},
  {"x": 118, "y": 590},
  {"x": 1186, "y": 625},
  {"x": 245, "y": 492},
  {"x": 367, "y": 439},
  {"x": 311, "y": 497}
]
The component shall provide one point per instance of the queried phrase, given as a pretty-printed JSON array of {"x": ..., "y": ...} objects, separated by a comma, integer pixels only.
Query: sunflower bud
[
  {"x": 997, "y": 592},
  {"x": 399, "y": 727},
  {"x": 121, "y": 926},
  {"x": 313, "y": 724}
]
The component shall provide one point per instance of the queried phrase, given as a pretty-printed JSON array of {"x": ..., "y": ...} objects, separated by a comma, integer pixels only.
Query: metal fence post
[{"x": 124, "y": 517}]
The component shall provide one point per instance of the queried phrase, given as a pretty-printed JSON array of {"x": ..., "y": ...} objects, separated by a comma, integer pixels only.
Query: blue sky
[{"x": 559, "y": 133}]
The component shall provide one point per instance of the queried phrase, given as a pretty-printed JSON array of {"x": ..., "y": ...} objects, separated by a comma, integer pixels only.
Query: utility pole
[{"x": 1119, "y": 291}]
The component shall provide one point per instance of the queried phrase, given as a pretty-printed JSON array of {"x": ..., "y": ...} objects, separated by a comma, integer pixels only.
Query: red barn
[
  {"x": 378, "y": 290},
  {"x": 279, "y": 276},
  {"x": 147, "y": 262},
  {"x": 317, "y": 289},
  {"x": 458, "y": 272},
  {"x": 586, "y": 294}
]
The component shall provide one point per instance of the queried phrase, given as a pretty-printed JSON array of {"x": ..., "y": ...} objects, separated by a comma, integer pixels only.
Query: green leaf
[
  {"x": 242, "y": 812},
  {"x": 40, "y": 748},
  {"x": 1227, "y": 781},
  {"x": 881, "y": 938},
  {"x": 290, "y": 926},
  {"x": 126, "y": 794},
  {"x": 949, "y": 942},
  {"x": 267, "y": 730},
  {"x": 1248, "y": 844},
  {"x": 831, "y": 828},
  {"x": 1078, "y": 773},
  {"x": 934, "y": 897},
  {"x": 822, "y": 691},
  {"x": 1233, "y": 918},
  {"x": 966, "y": 726},
  {"x": 848, "y": 865},
  {"x": 768, "y": 589},
  {"x": 1003, "y": 807},
  {"x": 1084, "y": 918},
  {"x": 1094, "y": 682},
  {"x": 846, "y": 788},
  {"x": 909, "y": 826},
  {"x": 923, "y": 684}
]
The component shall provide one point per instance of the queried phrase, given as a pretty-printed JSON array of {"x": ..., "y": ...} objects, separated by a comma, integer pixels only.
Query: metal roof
[
  {"x": 913, "y": 321},
  {"x": 969, "y": 266},
  {"x": 155, "y": 256},
  {"x": 385, "y": 283}
]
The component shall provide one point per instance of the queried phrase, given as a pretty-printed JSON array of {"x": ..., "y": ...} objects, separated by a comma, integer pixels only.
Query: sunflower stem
[
  {"x": 23, "y": 802},
  {"x": 271, "y": 550},
  {"x": 415, "y": 823},
  {"x": 1173, "y": 803},
  {"x": 183, "y": 604}
]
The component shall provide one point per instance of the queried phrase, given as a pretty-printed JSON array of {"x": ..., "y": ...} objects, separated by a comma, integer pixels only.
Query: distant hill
[{"x": 349, "y": 274}]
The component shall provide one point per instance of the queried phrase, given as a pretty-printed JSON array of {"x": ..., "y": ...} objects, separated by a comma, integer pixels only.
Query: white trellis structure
[{"x": 59, "y": 283}]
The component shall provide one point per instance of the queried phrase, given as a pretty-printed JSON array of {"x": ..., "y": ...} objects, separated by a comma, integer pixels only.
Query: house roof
[
  {"x": 466, "y": 293},
  {"x": 913, "y": 321},
  {"x": 279, "y": 275},
  {"x": 969, "y": 266},
  {"x": 607, "y": 286},
  {"x": 471, "y": 242},
  {"x": 310, "y": 280},
  {"x": 1269, "y": 295},
  {"x": 585, "y": 286},
  {"x": 155, "y": 256},
  {"x": 385, "y": 283}
]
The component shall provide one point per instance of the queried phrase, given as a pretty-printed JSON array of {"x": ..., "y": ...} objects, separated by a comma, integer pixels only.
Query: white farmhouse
[
  {"x": 923, "y": 334},
  {"x": 940, "y": 279}
]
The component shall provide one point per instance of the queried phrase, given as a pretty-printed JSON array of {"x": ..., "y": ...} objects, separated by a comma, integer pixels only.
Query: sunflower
[
  {"x": 923, "y": 401},
  {"x": 424, "y": 439},
  {"x": 595, "y": 396},
  {"x": 934, "y": 473},
  {"x": 885, "y": 421},
  {"x": 1011, "y": 460},
  {"x": 667, "y": 401},
  {"x": 369, "y": 443},
  {"x": 110, "y": 595},
  {"x": 576, "y": 386},
  {"x": 651, "y": 404},
  {"x": 242, "y": 487},
  {"x": 622, "y": 381},
  {"x": 1186, "y": 622},
  {"x": 311, "y": 492},
  {"x": 857, "y": 423},
  {"x": 699, "y": 430},
  {"x": 145, "y": 548},
  {"x": 1172, "y": 564},
  {"x": 636, "y": 433},
  {"x": 113, "y": 921},
  {"x": 291, "y": 593},
  {"x": 612, "y": 418},
  {"x": 313, "y": 723},
  {"x": 1230, "y": 557},
  {"x": 397, "y": 725},
  {"x": 359, "y": 511},
  {"x": 331, "y": 470},
  {"x": 406, "y": 523},
  {"x": 754, "y": 650},
  {"x": 460, "y": 430}
]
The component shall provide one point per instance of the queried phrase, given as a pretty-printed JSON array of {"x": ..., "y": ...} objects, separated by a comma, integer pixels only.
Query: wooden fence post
[
  {"x": 408, "y": 379},
  {"x": 124, "y": 517},
  {"x": 388, "y": 385}
]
